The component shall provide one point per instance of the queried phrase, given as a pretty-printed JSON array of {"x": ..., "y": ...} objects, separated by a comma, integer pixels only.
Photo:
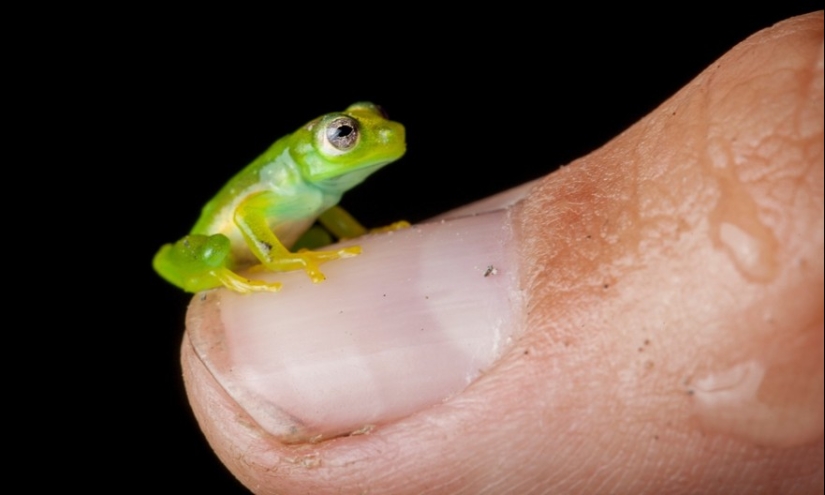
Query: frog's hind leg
[{"x": 200, "y": 262}]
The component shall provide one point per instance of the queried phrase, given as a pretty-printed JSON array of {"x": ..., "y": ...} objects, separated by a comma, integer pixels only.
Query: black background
[{"x": 524, "y": 94}]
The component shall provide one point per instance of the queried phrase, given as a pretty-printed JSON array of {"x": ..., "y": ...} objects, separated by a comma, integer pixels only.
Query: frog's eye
[{"x": 342, "y": 133}]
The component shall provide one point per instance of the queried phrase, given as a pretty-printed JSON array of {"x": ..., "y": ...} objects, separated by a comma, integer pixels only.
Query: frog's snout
[{"x": 393, "y": 134}]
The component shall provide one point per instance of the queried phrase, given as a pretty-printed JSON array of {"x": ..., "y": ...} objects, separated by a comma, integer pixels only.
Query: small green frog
[{"x": 270, "y": 204}]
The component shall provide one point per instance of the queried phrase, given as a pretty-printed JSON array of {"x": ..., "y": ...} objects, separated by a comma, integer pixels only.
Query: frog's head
[{"x": 339, "y": 150}]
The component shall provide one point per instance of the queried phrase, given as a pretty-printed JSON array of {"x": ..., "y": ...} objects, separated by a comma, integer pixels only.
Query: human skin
[{"x": 667, "y": 336}]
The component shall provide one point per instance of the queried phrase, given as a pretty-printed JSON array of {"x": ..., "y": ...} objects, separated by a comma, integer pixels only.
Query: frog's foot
[
  {"x": 309, "y": 261},
  {"x": 232, "y": 280},
  {"x": 402, "y": 224}
]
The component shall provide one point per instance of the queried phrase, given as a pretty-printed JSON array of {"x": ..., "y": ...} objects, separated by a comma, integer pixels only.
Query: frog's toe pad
[
  {"x": 349, "y": 252},
  {"x": 400, "y": 225}
]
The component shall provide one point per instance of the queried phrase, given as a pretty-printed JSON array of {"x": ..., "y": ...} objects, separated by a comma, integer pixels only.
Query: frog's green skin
[{"x": 267, "y": 206}]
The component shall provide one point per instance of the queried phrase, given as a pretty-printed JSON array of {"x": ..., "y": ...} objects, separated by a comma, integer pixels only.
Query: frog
[{"x": 273, "y": 203}]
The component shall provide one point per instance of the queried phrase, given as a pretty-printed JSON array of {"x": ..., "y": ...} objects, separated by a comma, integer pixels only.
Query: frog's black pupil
[{"x": 343, "y": 131}]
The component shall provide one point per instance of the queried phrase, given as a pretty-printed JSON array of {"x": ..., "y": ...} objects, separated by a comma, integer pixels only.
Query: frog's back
[{"x": 217, "y": 214}]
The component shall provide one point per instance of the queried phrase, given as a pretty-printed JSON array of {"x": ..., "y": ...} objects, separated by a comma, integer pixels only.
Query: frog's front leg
[
  {"x": 252, "y": 218},
  {"x": 344, "y": 226},
  {"x": 201, "y": 262}
]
